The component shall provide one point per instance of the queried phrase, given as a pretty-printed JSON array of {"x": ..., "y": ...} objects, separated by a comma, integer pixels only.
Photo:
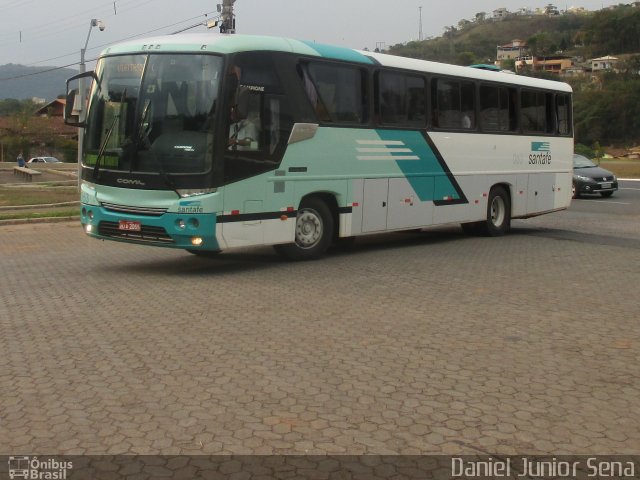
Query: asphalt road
[
  {"x": 404, "y": 343},
  {"x": 626, "y": 201}
]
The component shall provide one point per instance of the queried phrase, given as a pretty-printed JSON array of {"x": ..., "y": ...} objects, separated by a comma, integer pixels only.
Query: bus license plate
[
  {"x": 130, "y": 226},
  {"x": 605, "y": 185}
]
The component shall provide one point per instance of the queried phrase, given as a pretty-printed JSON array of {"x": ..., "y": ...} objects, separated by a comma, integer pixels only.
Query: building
[
  {"x": 577, "y": 10},
  {"x": 574, "y": 71},
  {"x": 52, "y": 109},
  {"x": 604, "y": 63},
  {"x": 500, "y": 13},
  {"x": 524, "y": 12},
  {"x": 511, "y": 51},
  {"x": 556, "y": 64}
]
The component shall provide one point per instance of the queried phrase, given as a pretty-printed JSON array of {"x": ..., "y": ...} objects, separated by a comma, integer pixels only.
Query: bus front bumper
[{"x": 174, "y": 230}]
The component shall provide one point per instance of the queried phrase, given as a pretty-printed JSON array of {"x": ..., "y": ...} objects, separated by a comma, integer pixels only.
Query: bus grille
[
  {"x": 153, "y": 212},
  {"x": 147, "y": 234}
]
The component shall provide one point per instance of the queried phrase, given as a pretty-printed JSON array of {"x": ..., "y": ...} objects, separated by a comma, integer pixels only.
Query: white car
[{"x": 43, "y": 160}]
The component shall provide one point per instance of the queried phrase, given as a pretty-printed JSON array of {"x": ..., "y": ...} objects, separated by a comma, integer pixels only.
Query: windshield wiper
[
  {"x": 107, "y": 137},
  {"x": 103, "y": 146}
]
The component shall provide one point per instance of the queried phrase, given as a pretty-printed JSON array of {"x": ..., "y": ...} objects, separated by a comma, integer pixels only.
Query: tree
[
  {"x": 509, "y": 64},
  {"x": 466, "y": 58},
  {"x": 540, "y": 44},
  {"x": 481, "y": 17}
]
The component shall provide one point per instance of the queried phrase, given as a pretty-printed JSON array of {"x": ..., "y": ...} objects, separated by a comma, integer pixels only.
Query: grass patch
[
  {"x": 37, "y": 196},
  {"x": 622, "y": 167},
  {"x": 67, "y": 212}
]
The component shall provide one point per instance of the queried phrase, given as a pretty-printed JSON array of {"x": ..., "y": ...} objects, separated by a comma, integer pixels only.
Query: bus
[{"x": 208, "y": 142}]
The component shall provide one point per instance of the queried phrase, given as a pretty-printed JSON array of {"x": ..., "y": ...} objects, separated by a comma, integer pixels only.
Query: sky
[{"x": 51, "y": 33}]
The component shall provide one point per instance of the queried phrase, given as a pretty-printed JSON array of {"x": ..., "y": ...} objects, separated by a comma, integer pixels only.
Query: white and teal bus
[{"x": 207, "y": 142}]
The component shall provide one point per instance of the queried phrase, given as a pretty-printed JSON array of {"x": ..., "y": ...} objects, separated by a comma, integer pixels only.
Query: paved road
[{"x": 406, "y": 343}]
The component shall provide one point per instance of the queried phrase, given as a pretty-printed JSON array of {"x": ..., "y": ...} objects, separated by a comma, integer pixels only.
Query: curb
[
  {"x": 44, "y": 205},
  {"x": 22, "y": 221}
]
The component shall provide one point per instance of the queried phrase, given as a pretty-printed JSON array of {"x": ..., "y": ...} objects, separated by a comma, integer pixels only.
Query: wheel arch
[
  {"x": 509, "y": 188},
  {"x": 330, "y": 200}
]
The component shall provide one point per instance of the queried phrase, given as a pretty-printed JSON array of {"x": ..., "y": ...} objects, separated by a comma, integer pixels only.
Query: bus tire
[
  {"x": 498, "y": 220},
  {"x": 313, "y": 233}
]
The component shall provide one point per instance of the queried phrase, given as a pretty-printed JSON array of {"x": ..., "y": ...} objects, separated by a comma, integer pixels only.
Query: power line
[
  {"x": 53, "y": 69},
  {"x": 127, "y": 38},
  {"x": 76, "y": 21},
  {"x": 58, "y": 27}
]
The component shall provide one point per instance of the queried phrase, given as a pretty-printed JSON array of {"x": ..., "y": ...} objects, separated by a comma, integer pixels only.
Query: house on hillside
[
  {"x": 556, "y": 64},
  {"x": 604, "y": 63},
  {"x": 551, "y": 10},
  {"x": 574, "y": 71},
  {"x": 577, "y": 10},
  {"x": 500, "y": 13},
  {"x": 511, "y": 51},
  {"x": 524, "y": 12},
  {"x": 52, "y": 109}
]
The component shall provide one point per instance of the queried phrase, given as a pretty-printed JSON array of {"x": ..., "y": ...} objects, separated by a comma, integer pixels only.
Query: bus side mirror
[
  {"x": 75, "y": 102},
  {"x": 72, "y": 109}
]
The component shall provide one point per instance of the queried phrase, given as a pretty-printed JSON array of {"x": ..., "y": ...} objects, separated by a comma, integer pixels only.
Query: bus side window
[
  {"x": 340, "y": 90},
  {"x": 454, "y": 104},
  {"x": 497, "y": 109},
  {"x": 312, "y": 94},
  {"x": 400, "y": 99},
  {"x": 533, "y": 111},
  {"x": 563, "y": 113},
  {"x": 551, "y": 124}
]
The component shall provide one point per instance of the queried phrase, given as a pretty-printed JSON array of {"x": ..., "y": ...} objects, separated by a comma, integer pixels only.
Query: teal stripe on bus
[
  {"x": 429, "y": 176},
  {"x": 339, "y": 53}
]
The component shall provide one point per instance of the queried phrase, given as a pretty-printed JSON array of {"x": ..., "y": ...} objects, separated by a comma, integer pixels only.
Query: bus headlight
[{"x": 196, "y": 241}]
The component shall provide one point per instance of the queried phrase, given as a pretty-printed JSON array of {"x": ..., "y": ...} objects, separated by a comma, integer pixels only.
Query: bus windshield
[{"x": 153, "y": 113}]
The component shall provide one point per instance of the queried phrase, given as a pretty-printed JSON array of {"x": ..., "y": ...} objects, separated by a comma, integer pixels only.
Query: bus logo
[
  {"x": 541, "y": 153},
  {"x": 540, "y": 146},
  {"x": 18, "y": 467},
  {"x": 33, "y": 467}
]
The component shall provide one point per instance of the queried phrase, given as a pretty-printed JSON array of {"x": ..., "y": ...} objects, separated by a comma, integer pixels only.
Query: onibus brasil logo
[{"x": 35, "y": 469}]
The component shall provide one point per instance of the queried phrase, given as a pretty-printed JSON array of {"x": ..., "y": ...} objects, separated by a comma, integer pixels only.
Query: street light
[{"x": 81, "y": 94}]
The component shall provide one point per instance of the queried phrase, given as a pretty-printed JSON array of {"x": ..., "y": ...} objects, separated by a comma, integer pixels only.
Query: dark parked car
[{"x": 590, "y": 178}]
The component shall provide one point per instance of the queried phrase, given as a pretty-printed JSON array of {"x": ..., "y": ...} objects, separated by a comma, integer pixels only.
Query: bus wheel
[
  {"x": 314, "y": 232},
  {"x": 498, "y": 219}
]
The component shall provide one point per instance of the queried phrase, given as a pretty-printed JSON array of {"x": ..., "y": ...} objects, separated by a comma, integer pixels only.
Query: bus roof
[{"x": 227, "y": 44}]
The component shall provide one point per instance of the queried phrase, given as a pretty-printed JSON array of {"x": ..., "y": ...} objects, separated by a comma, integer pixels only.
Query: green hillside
[
  {"x": 20, "y": 82},
  {"x": 477, "y": 41},
  {"x": 606, "y": 106},
  {"x": 605, "y": 32}
]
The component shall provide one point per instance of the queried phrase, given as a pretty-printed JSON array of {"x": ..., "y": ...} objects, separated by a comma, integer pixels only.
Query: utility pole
[
  {"x": 420, "y": 38},
  {"x": 228, "y": 24}
]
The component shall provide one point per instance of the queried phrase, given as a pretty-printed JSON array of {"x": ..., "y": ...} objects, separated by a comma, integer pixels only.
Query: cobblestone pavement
[{"x": 405, "y": 343}]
